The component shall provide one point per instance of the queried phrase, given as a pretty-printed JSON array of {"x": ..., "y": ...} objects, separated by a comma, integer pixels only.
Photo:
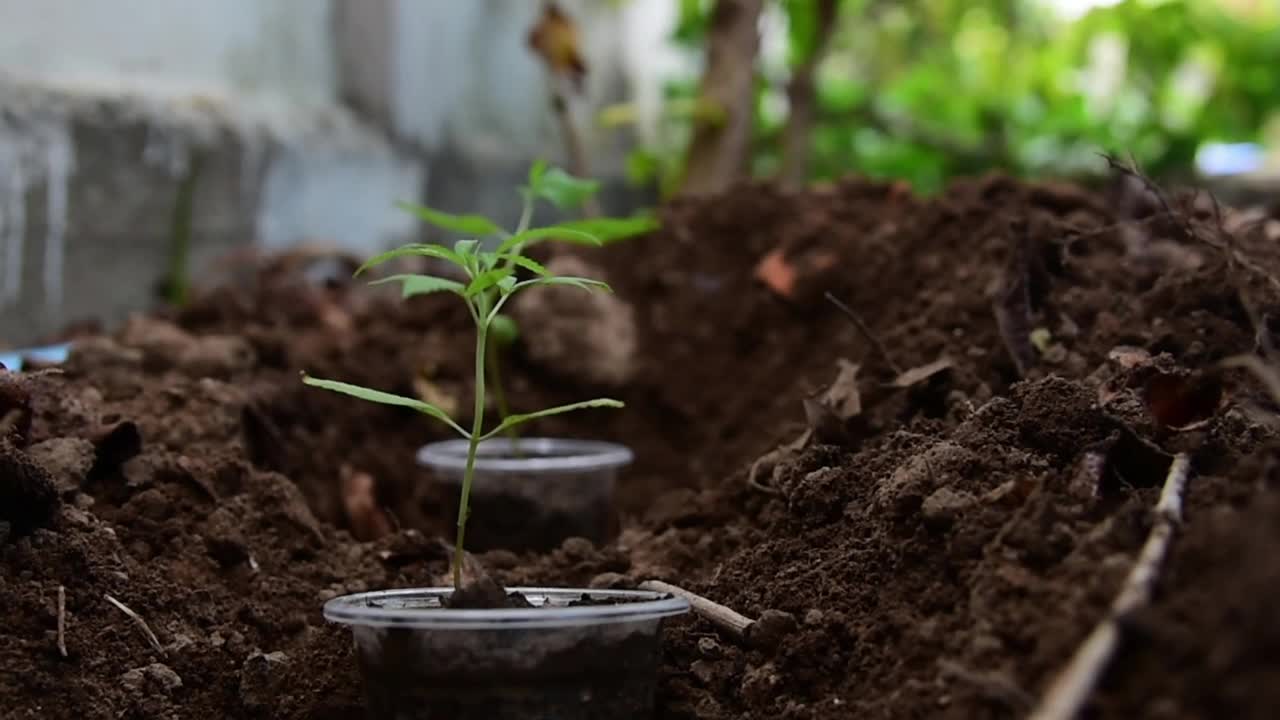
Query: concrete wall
[{"x": 312, "y": 116}]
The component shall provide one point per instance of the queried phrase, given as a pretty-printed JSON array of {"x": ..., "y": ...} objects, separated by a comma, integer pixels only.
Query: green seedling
[{"x": 490, "y": 279}]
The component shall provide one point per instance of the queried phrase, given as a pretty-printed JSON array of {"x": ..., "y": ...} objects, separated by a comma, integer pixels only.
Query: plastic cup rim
[
  {"x": 548, "y": 456},
  {"x": 356, "y": 609}
]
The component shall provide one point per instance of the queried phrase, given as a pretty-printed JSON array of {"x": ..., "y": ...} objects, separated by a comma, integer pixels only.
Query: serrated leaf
[
  {"x": 584, "y": 283},
  {"x": 464, "y": 224},
  {"x": 513, "y": 420},
  {"x": 420, "y": 250},
  {"x": 562, "y": 189},
  {"x": 529, "y": 264},
  {"x": 411, "y": 285},
  {"x": 465, "y": 247},
  {"x": 607, "y": 230},
  {"x": 385, "y": 398},
  {"x": 486, "y": 280},
  {"x": 507, "y": 284},
  {"x": 553, "y": 232}
]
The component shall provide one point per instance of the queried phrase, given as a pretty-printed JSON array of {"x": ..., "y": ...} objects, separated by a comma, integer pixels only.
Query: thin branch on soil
[
  {"x": 1071, "y": 688},
  {"x": 62, "y": 621},
  {"x": 1132, "y": 171},
  {"x": 866, "y": 333},
  {"x": 730, "y": 621},
  {"x": 137, "y": 619}
]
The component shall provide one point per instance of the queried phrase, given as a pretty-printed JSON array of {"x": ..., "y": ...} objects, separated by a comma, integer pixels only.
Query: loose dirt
[{"x": 936, "y": 546}]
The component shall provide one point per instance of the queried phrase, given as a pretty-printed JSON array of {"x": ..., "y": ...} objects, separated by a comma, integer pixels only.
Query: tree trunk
[
  {"x": 720, "y": 149},
  {"x": 801, "y": 95}
]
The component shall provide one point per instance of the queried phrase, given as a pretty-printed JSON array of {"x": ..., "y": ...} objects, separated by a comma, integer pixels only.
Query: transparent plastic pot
[
  {"x": 532, "y": 493},
  {"x": 575, "y": 655}
]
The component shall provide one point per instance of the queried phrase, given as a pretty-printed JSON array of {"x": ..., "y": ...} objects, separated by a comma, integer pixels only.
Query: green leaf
[
  {"x": 507, "y": 284},
  {"x": 529, "y": 264},
  {"x": 503, "y": 330},
  {"x": 607, "y": 230},
  {"x": 464, "y": 224},
  {"x": 536, "y": 171},
  {"x": 384, "y": 398},
  {"x": 420, "y": 250},
  {"x": 554, "y": 232},
  {"x": 411, "y": 285},
  {"x": 486, "y": 280},
  {"x": 584, "y": 283},
  {"x": 562, "y": 189},
  {"x": 513, "y": 420},
  {"x": 465, "y": 247}
]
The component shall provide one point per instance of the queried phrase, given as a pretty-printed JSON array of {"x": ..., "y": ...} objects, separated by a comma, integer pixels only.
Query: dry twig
[
  {"x": 731, "y": 621},
  {"x": 1071, "y": 688},
  {"x": 62, "y": 621},
  {"x": 137, "y": 619},
  {"x": 866, "y": 332}
]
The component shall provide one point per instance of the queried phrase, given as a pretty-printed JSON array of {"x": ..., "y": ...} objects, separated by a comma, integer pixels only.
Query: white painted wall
[{"x": 221, "y": 48}]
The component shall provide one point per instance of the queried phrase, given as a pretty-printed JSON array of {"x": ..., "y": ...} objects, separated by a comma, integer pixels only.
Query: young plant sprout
[{"x": 490, "y": 280}]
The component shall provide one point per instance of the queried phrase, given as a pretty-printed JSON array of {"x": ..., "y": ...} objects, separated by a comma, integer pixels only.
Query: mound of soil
[{"x": 933, "y": 501}]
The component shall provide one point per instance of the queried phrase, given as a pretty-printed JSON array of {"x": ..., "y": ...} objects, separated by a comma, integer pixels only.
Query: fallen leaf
[
  {"x": 555, "y": 39},
  {"x": 842, "y": 396},
  {"x": 917, "y": 375},
  {"x": 775, "y": 272},
  {"x": 1129, "y": 357}
]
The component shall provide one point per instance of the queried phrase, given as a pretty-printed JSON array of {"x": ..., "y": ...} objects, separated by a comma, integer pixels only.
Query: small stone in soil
[
  {"x": 156, "y": 675},
  {"x": 261, "y": 676},
  {"x": 768, "y": 631}
]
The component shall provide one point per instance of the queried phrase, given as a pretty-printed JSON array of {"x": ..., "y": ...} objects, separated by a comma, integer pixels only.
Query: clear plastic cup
[
  {"x": 532, "y": 493},
  {"x": 575, "y": 655}
]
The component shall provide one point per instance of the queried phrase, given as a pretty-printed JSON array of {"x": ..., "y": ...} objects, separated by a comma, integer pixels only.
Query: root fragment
[
  {"x": 142, "y": 624},
  {"x": 1074, "y": 684},
  {"x": 729, "y": 620}
]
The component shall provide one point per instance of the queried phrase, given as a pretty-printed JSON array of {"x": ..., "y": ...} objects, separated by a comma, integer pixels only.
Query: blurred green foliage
[{"x": 929, "y": 89}]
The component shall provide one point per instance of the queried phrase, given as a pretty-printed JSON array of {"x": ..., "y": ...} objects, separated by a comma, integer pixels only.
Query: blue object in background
[
  {"x": 1229, "y": 158},
  {"x": 15, "y": 359}
]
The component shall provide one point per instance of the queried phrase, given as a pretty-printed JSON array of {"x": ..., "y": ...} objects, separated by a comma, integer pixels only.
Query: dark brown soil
[{"x": 940, "y": 553}]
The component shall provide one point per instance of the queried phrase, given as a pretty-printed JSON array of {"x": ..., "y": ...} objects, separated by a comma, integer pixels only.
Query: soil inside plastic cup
[{"x": 573, "y": 655}]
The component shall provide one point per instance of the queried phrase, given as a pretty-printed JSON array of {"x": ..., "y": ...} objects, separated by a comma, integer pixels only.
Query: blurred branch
[
  {"x": 719, "y": 152},
  {"x": 801, "y": 96}
]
